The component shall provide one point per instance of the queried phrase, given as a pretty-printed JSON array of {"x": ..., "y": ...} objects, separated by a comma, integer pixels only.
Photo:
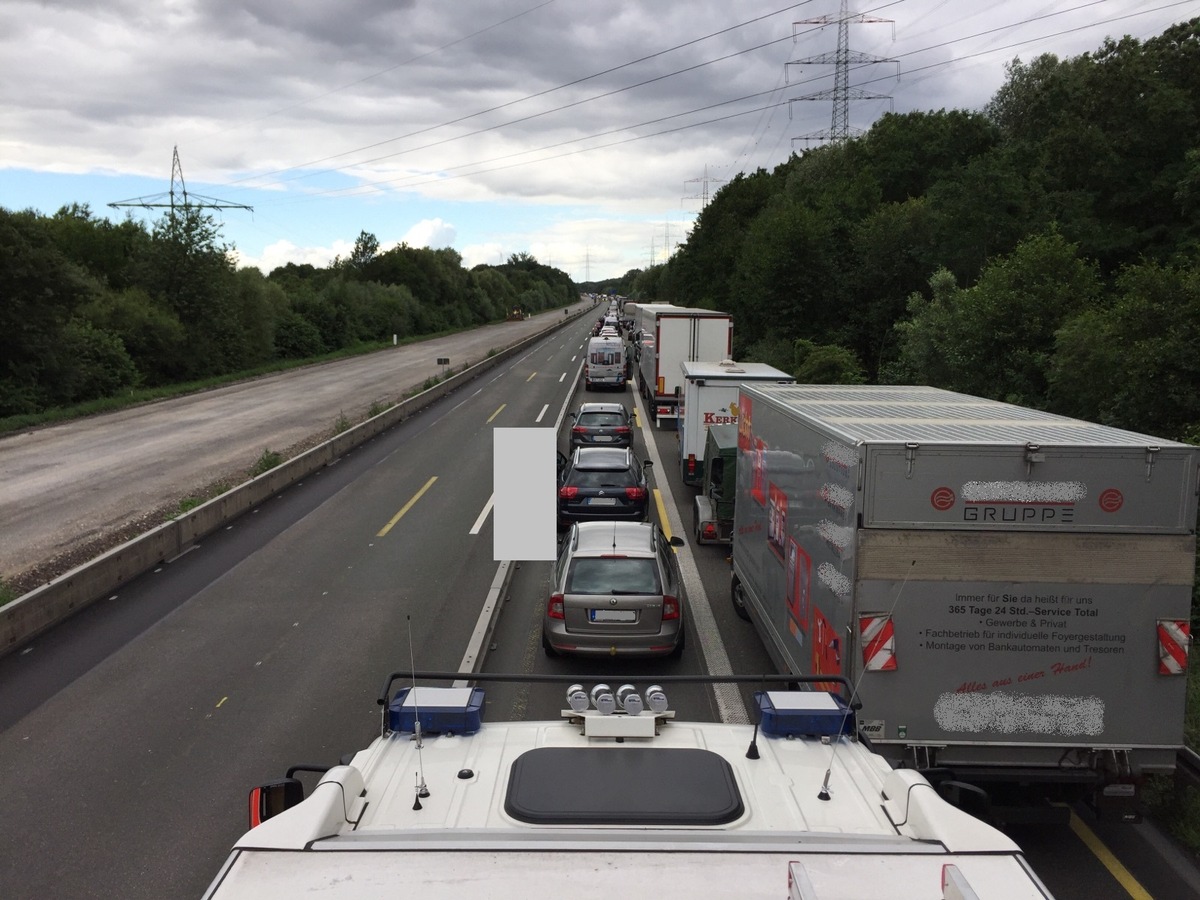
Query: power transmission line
[{"x": 405, "y": 182}]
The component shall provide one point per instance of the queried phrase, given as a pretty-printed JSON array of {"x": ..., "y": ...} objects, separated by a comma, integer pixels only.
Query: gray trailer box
[{"x": 1009, "y": 589}]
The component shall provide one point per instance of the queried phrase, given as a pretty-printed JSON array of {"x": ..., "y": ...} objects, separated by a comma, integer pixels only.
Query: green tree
[
  {"x": 826, "y": 364},
  {"x": 1133, "y": 363},
  {"x": 40, "y": 291},
  {"x": 150, "y": 332},
  {"x": 996, "y": 339},
  {"x": 94, "y": 364}
]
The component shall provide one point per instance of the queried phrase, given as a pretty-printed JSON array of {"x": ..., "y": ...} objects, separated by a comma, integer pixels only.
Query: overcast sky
[{"x": 585, "y": 132}]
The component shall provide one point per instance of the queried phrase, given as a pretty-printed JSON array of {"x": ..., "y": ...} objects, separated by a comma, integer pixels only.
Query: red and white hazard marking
[
  {"x": 1174, "y": 638},
  {"x": 878, "y": 638}
]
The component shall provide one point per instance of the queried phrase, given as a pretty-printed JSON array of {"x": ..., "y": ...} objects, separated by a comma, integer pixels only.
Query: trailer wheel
[{"x": 738, "y": 595}]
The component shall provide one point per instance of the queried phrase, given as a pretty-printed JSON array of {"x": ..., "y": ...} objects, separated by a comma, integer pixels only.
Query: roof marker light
[
  {"x": 602, "y": 698},
  {"x": 577, "y": 698},
  {"x": 656, "y": 698},
  {"x": 630, "y": 700}
]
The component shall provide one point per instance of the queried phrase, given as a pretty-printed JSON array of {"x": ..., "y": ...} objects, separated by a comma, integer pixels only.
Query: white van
[{"x": 605, "y": 364}]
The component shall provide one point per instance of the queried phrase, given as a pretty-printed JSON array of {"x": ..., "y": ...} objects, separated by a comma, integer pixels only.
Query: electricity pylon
[
  {"x": 841, "y": 95},
  {"x": 703, "y": 182},
  {"x": 178, "y": 196}
]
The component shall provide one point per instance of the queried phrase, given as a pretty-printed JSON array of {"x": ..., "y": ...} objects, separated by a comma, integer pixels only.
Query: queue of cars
[{"x": 616, "y": 588}]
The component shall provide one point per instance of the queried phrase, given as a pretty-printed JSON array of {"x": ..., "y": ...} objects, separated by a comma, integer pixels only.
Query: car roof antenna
[
  {"x": 421, "y": 788},
  {"x": 614, "y": 537}
]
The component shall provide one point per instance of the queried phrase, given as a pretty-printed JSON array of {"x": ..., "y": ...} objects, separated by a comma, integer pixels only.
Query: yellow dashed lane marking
[{"x": 407, "y": 506}]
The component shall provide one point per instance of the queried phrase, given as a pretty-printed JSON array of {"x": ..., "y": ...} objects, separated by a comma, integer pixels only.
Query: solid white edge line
[
  {"x": 487, "y": 508},
  {"x": 728, "y": 698}
]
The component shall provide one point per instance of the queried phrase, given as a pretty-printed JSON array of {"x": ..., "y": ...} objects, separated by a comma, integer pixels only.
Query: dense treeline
[
  {"x": 90, "y": 308},
  {"x": 1043, "y": 251}
]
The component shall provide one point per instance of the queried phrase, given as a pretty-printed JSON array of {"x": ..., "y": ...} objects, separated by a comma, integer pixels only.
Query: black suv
[
  {"x": 601, "y": 424},
  {"x": 602, "y": 483}
]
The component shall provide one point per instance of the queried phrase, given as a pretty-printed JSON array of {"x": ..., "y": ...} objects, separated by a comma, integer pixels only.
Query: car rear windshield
[
  {"x": 599, "y": 478},
  {"x": 605, "y": 358},
  {"x": 600, "y": 419},
  {"x": 613, "y": 575}
]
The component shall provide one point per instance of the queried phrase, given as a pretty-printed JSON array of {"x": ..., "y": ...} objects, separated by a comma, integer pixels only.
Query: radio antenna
[
  {"x": 422, "y": 789},
  {"x": 824, "y": 794}
]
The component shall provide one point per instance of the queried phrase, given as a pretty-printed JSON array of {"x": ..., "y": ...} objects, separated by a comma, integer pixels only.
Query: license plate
[
  {"x": 601, "y": 501},
  {"x": 612, "y": 615},
  {"x": 602, "y": 437}
]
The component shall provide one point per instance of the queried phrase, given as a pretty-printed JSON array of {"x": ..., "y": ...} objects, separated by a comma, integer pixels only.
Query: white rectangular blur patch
[
  {"x": 525, "y": 481},
  {"x": 1012, "y": 713}
]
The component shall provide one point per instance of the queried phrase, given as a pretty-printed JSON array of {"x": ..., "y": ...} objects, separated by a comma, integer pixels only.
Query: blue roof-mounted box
[
  {"x": 801, "y": 713},
  {"x": 439, "y": 710}
]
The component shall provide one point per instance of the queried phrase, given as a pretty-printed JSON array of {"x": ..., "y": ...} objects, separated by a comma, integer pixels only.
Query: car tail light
[
  {"x": 635, "y": 493},
  {"x": 568, "y": 493},
  {"x": 710, "y": 530},
  {"x": 579, "y": 429},
  {"x": 691, "y": 463},
  {"x": 621, "y": 429},
  {"x": 555, "y": 608},
  {"x": 670, "y": 607}
]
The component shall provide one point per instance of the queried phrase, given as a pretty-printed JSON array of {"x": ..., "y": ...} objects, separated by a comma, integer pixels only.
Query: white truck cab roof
[{"x": 619, "y": 798}]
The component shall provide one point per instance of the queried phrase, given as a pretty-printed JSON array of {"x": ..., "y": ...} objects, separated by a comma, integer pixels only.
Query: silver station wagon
[{"x": 616, "y": 591}]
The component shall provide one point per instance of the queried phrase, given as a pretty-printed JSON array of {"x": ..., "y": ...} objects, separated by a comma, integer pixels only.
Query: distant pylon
[
  {"x": 178, "y": 196},
  {"x": 841, "y": 95},
  {"x": 703, "y": 182}
]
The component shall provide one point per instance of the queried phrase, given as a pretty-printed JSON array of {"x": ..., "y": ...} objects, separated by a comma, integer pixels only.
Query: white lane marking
[
  {"x": 572, "y": 359},
  {"x": 729, "y": 699},
  {"x": 562, "y": 377},
  {"x": 542, "y": 413},
  {"x": 487, "y": 508}
]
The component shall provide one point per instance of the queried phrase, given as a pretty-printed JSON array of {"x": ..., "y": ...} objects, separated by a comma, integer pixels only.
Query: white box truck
[
  {"x": 709, "y": 397},
  {"x": 1009, "y": 590},
  {"x": 668, "y": 336}
]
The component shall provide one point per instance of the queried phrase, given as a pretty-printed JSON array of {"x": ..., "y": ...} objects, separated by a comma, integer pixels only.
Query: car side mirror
[
  {"x": 677, "y": 541},
  {"x": 647, "y": 464}
]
